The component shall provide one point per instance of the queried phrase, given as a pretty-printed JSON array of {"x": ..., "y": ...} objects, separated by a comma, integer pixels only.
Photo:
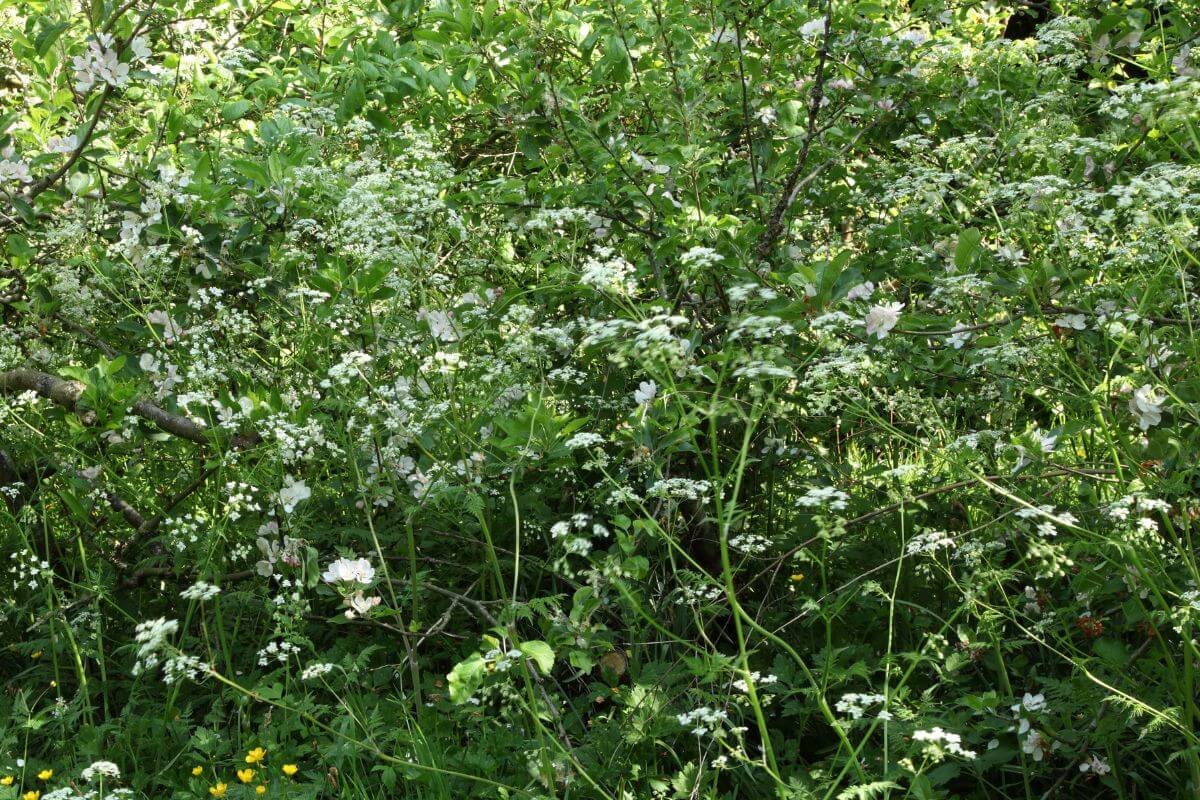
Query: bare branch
[{"x": 66, "y": 394}]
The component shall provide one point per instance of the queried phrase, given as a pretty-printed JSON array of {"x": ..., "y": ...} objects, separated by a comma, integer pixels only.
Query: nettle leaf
[
  {"x": 540, "y": 652},
  {"x": 235, "y": 110},
  {"x": 967, "y": 248},
  {"x": 466, "y": 677}
]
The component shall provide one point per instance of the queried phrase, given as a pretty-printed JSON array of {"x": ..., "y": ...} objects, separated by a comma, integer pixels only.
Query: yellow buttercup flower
[
  {"x": 245, "y": 775},
  {"x": 45, "y": 775},
  {"x": 218, "y": 790},
  {"x": 797, "y": 577},
  {"x": 260, "y": 789},
  {"x": 197, "y": 770},
  {"x": 256, "y": 755},
  {"x": 31, "y": 795},
  {"x": 7, "y": 780},
  {"x": 290, "y": 769}
]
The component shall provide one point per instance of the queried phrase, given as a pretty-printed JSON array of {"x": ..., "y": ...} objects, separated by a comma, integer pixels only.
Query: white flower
[
  {"x": 14, "y": 171},
  {"x": 1095, "y": 764},
  {"x": 1011, "y": 254},
  {"x": 441, "y": 324},
  {"x": 861, "y": 292},
  {"x": 140, "y": 48},
  {"x": 1033, "y": 746},
  {"x": 767, "y": 115},
  {"x": 346, "y": 570},
  {"x": 646, "y": 392},
  {"x": 293, "y": 493},
  {"x": 360, "y": 605},
  {"x": 959, "y": 336},
  {"x": 1147, "y": 404},
  {"x": 102, "y": 769},
  {"x": 1076, "y": 322},
  {"x": 62, "y": 144},
  {"x": 882, "y": 318},
  {"x": 813, "y": 28}
]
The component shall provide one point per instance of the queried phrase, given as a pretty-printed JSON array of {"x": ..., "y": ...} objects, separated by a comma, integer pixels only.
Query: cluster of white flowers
[
  {"x": 100, "y": 769},
  {"x": 577, "y": 533},
  {"x": 942, "y": 740},
  {"x": 680, "y": 489},
  {"x": 99, "y": 64},
  {"x": 584, "y": 440},
  {"x": 152, "y": 636},
  {"x": 24, "y": 569},
  {"x": 503, "y": 660},
  {"x": 277, "y": 651},
  {"x": 697, "y": 259},
  {"x": 824, "y": 497},
  {"x": 750, "y": 543},
  {"x": 317, "y": 670},
  {"x": 200, "y": 590},
  {"x": 758, "y": 679},
  {"x": 349, "y": 571},
  {"x": 348, "y": 370},
  {"x": 181, "y": 666},
  {"x": 930, "y": 542},
  {"x": 608, "y": 272},
  {"x": 703, "y": 720},
  {"x": 856, "y": 704}
]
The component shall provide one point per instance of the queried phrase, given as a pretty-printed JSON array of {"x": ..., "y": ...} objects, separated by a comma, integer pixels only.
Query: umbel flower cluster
[{"x": 599, "y": 400}]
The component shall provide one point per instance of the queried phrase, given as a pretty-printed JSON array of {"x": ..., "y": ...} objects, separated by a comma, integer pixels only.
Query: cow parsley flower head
[
  {"x": 200, "y": 590},
  {"x": 100, "y": 769}
]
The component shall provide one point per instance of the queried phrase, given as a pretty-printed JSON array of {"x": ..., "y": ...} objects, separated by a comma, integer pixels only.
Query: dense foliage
[{"x": 606, "y": 399}]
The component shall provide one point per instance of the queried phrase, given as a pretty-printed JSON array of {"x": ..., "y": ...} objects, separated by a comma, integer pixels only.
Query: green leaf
[
  {"x": 540, "y": 652},
  {"x": 967, "y": 248},
  {"x": 235, "y": 110},
  {"x": 466, "y": 677}
]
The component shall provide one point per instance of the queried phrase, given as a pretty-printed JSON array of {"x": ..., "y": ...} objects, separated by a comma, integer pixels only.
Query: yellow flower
[
  {"x": 290, "y": 769},
  {"x": 31, "y": 795},
  {"x": 260, "y": 789},
  {"x": 197, "y": 770},
  {"x": 245, "y": 775},
  {"x": 799, "y": 576},
  {"x": 256, "y": 755},
  {"x": 218, "y": 790},
  {"x": 7, "y": 780},
  {"x": 35, "y": 655},
  {"x": 45, "y": 775}
]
